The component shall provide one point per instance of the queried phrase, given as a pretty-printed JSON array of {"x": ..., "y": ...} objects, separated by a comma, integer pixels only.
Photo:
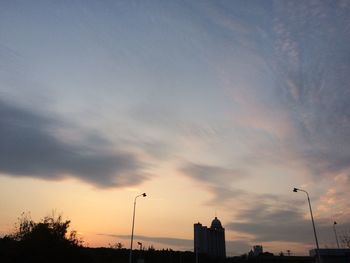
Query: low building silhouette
[
  {"x": 210, "y": 241},
  {"x": 258, "y": 250},
  {"x": 332, "y": 255}
]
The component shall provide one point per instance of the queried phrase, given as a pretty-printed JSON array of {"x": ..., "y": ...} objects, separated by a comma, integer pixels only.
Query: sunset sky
[{"x": 210, "y": 107}]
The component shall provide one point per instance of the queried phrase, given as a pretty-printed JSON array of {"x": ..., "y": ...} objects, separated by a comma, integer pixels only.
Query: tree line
[{"x": 50, "y": 240}]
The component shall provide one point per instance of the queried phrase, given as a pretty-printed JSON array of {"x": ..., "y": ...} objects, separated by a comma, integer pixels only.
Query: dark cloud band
[{"x": 28, "y": 148}]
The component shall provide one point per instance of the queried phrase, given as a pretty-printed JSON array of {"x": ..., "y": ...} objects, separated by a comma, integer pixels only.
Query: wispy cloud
[
  {"x": 267, "y": 224},
  {"x": 218, "y": 180},
  {"x": 170, "y": 241},
  {"x": 214, "y": 174},
  {"x": 317, "y": 81},
  {"x": 301, "y": 119}
]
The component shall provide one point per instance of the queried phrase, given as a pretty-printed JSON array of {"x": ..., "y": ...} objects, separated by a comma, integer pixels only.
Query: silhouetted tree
[
  {"x": 50, "y": 230},
  {"x": 117, "y": 245},
  {"x": 151, "y": 248},
  {"x": 345, "y": 239},
  {"x": 45, "y": 241}
]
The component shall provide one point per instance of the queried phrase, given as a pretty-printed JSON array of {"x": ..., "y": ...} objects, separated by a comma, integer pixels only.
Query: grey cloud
[
  {"x": 233, "y": 247},
  {"x": 156, "y": 149},
  {"x": 264, "y": 215},
  {"x": 212, "y": 174},
  {"x": 29, "y": 148},
  {"x": 216, "y": 179},
  {"x": 222, "y": 193},
  {"x": 268, "y": 224},
  {"x": 180, "y": 242},
  {"x": 237, "y": 247}
]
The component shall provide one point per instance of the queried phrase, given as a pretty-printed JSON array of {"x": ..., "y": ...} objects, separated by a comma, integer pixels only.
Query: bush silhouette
[
  {"x": 45, "y": 241},
  {"x": 50, "y": 231}
]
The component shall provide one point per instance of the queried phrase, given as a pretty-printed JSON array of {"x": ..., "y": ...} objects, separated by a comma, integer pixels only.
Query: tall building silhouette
[{"x": 210, "y": 241}]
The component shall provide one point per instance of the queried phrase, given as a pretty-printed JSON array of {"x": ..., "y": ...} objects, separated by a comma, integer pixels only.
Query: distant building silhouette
[
  {"x": 210, "y": 241},
  {"x": 257, "y": 250},
  {"x": 332, "y": 255}
]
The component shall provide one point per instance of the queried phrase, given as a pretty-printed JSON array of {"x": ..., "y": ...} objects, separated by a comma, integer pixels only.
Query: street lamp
[
  {"x": 313, "y": 223},
  {"x": 133, "y": 224},
  {"x": 335, "y": 233}
]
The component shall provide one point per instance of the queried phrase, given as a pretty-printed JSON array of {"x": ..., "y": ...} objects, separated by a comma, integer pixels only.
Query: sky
[{"x": 213, "y": 108}]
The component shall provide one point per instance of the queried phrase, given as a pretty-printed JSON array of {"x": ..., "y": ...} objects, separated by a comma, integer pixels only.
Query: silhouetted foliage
[
  {"x": 151, "y": 248},
  {"x": 45, "y": 241},
  {"x": 345, "y": 239},
  {"x": 117, "y": 245},
  {"x": 50, "y": 231},
  {"x": 50, "y": 241}
]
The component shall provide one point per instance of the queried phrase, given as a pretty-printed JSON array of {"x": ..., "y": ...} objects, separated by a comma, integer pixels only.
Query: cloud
[
  {"x": 232, "y": 247},
  {"x": 313, "y": 68},
  {"x": 237, "y": 247},
  {"x": 179, "y": 242},
  {"x": 293, "y": 119},
  {"x": 221, "y": 183},
  {"x": 266, "y": 224},
  {"x": 217, "y": 179},
  {"x": 296, "y": 102},
  {"x": 29, "y": 148},
  {"x": 263, "y": 218},
  {"x": 213, "y": 174}
]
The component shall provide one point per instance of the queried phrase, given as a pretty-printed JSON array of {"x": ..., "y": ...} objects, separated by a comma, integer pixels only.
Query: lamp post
[
  {"x": 335, "y": 233},
  {"x": 133, "y": 224},
  {"x": 313, "y": 223}
]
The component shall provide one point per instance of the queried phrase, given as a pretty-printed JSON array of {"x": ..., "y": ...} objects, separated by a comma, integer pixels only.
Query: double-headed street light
[
  {"x": 313, "y": 223},
  {"x": 133, "y": 224}
]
